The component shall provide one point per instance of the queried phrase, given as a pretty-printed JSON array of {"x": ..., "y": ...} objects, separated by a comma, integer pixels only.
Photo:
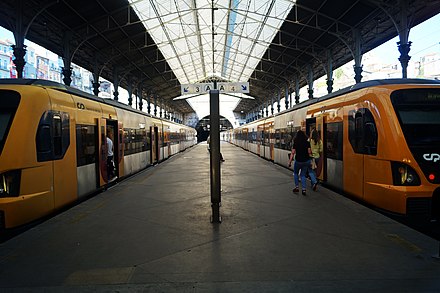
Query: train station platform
[{"x": 152, "y": 233}]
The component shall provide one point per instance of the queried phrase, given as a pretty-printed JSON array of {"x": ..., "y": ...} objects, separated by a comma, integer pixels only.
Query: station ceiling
[{"x": 162, "y": 44}]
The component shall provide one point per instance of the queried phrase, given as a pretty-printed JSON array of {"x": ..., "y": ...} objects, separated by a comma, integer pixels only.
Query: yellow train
[
  {"x": 381, "y": 142},
  {"x": 53, "y": 148}
]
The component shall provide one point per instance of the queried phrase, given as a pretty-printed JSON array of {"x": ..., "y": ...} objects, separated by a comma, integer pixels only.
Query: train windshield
[
  {"x": 418, "y": 111},
  {"x": 8, "y": 105}
]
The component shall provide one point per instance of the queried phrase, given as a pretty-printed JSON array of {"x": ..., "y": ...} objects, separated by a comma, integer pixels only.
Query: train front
[
  {"x": 9, "y": 179},
  {"x": 25, "y": 184},
  {"x": 418, "y": 112}
]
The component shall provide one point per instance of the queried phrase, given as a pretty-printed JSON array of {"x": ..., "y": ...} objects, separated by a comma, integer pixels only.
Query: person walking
[
  {"x": 316, "y": 146},
  {"x": 302, "y": 152}
]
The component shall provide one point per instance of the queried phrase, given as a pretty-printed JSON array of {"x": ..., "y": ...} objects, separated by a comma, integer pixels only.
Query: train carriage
[
  {"x": 53, "y": 146},
  {"x": 285, "y": 127},
  {"x": 174, "y": 138},
  {"x": 246, "y": 137},
  {"x": 381, "y": 143},
  {"x": 135, "y": 146}
]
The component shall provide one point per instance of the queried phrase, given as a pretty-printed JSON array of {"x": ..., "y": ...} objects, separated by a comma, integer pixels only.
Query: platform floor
[{"x": 151, "y": 233}]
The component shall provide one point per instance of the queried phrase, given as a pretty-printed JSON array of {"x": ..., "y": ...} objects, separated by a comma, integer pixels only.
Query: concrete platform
[{"x": 151, "y": 233}]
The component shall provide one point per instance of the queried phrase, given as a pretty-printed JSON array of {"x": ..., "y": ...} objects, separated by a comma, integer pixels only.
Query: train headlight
[
  {"x": 10, "y": 183},
  {"x": 404, "y": 175}
]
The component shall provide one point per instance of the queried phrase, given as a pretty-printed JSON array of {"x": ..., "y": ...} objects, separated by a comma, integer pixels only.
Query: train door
[
  {"x": 333, "y": 149},
  {"x": 182, "y": 139},
  {"x": 160, "y": 143},
  {"x": 264, "y": 141},
  {"x": 260, "y": 137},
  {"x": 353, "y": 161},
  {"x": 64, "y": 172},
  {"x": 115, "y": 134},
  {"x": 168, "y": 136},
  {"x": 102, "y": 153},
  {"x": 113, "y": 130},
  {"x": 153, "y": 151},
  {"x": 272, "y": 141},
  {"x": 120, "y": 149},
  {"x": 361, "y": 141},
  {"x": 154, "y": 138},
  {"x": 245, "y": 138}
]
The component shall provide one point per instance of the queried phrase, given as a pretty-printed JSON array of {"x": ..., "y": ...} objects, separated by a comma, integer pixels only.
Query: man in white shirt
[{"x": 110, "y": 165}]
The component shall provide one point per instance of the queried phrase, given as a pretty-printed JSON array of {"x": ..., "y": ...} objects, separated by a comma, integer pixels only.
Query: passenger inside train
[{"x": 110, "y": 162}]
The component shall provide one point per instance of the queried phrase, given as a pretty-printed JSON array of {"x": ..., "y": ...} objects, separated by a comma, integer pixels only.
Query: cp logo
[{"x": 432, "y": 157}]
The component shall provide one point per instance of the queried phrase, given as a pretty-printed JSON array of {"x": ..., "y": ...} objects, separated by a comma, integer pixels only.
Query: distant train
[
  {"x": 381, "y": 142},
  {"x": 53, "y": 148}
]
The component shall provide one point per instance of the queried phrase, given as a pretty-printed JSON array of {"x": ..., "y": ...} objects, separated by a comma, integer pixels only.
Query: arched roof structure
[{"x": 158, "y": 45}]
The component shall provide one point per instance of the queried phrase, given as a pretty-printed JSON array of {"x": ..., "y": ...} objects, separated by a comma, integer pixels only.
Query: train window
[
  {"x": 289, "y": 135},
  {"x": 370, "y": 133},
  {"x": 142, "y": 137},
  {"x": 370, "y": 138},
  {"x": 362, "y": 132},
  {"x": 278, "y": 138},
  {"x": 65, "y": 132},
  {"x": 286, "y": 139},
  {"x": 57, "y": 145},
  {"x": 266, "y": 137},
  {"x": 61, "y": 134},
  {"x": 43, "y": 140},
  {"x": 418, "y": 111},
  {"x": 148, "y": 141},
  {"x": 8, "y": 107},
  {"x": 125, "y": 140},
  {"x": 86, "y": 142},
  {"x": 5, "y": 119},
  {"x": 174, "y": 137},
  {"x": 333, "y": 143},
  {"x": 53, "y": 136},
  {"x": 135, "y": 141}
]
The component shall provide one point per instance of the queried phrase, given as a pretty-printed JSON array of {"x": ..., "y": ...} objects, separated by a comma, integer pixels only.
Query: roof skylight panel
[{"x": 184, "y": 28}]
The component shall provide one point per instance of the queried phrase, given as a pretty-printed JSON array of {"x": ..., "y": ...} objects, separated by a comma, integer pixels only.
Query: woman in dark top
[{"x": 303, "y": 153}]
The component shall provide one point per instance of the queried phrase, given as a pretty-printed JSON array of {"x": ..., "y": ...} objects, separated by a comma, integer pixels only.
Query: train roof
[
  {"x": 363, "y": 85},
  {"x": 70, "y": 90}
]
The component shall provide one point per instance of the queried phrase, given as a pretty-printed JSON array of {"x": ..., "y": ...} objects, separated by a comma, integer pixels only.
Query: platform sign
[
  {"x": 223, "y": 87},
  {"x": 207, "y": 87},
  {"x": 185, "y": 89},
  {"x": 196, "y": 88},
  {"x": 233, "y": 87}
]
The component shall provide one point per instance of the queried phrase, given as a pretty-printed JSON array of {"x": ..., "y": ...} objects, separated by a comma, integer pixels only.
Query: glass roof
[{"x": 212, "y": 39}]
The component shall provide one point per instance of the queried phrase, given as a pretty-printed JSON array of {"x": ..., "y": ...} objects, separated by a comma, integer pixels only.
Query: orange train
[
  {"x": 381, "y": 142},
  {"x": 53, "y": 146}
]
